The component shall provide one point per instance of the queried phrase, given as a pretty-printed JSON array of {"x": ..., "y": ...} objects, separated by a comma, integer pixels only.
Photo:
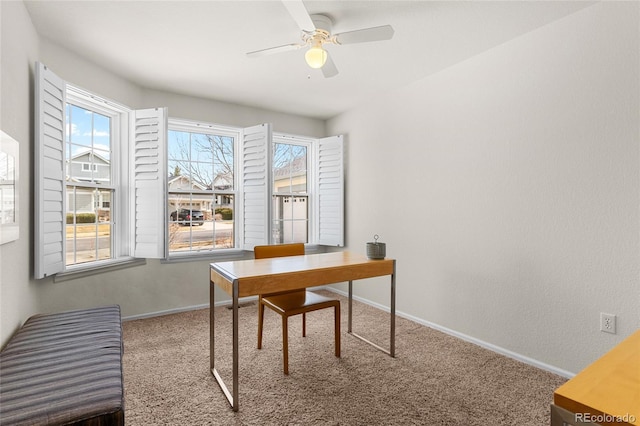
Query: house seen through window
[{"x": 290, "y": 192}]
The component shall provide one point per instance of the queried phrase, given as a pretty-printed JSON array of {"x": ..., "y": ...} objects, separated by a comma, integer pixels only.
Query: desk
[
  {"x": 607, "y": 391},
  {"x": 259, "y": 276}
]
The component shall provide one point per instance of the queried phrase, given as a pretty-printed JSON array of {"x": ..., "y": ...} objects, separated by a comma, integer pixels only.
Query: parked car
[{"x": 188, "y": 217}]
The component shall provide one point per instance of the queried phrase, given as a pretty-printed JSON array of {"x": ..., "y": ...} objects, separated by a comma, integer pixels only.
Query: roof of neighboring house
[
  {"x": 296, "y": 167},
  {"x": 95, "y": 154},
  {"x": 195, "y": 185}
]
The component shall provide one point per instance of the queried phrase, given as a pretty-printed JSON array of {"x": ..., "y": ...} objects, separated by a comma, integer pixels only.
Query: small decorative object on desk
[{"x": 376, "y": 250}]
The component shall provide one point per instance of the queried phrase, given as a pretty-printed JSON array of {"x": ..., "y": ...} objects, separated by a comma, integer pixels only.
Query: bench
[{"x": 64, "y": 369}]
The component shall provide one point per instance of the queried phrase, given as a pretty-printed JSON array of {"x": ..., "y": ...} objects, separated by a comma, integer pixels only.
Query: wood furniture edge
[
  {"x": 291, "y": 280},
  {"x": 606, "y": 369}
]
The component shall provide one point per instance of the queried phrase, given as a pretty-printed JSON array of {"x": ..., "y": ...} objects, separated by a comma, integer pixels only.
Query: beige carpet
[{"x": 435, "y": 379}]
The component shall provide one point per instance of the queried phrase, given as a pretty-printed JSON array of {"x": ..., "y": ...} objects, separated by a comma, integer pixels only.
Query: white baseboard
[
  {"x": 196, "y": 307},
  {"x": 167, "y": 312},
  {"x": 481, "y": 343},
  {"x": 186, "y": 309}
]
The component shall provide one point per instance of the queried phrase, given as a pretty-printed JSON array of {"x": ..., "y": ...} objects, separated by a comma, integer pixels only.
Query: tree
[{"x": 202, "y": 157}]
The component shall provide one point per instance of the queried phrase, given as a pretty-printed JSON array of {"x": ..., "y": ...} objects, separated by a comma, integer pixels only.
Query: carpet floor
[{"x": 435, "y": 379}]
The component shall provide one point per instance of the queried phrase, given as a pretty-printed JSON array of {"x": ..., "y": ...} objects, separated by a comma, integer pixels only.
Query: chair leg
[
  {"x": 285, "y": 343},
  {"x": 337, "y": 329},
  {"x": 304, "y": 324},
  {"x": 260, "y": 322}
]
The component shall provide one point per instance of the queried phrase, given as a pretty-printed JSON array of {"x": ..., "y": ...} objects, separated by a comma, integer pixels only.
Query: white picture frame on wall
[{"x": 9, "y": 184}]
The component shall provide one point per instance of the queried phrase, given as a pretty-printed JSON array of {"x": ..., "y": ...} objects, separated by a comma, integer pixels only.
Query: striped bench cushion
[{"x": 64, "y": 368}]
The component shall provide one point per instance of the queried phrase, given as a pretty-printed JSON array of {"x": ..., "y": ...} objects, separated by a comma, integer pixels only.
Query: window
[
  {"x": 201, "y": 187},
  {"x": 90, "y": 139},
  {"x": 113, "y": 184},
  {"x": 292, "y": 188},
  {"x": 7, "y": 187},
  {"x": 236, "y": 188},
  {"x": 99, "y": 179},
  {"x": 290, "y": 191}
]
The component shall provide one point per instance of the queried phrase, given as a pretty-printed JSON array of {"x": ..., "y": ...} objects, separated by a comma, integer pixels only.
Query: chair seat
[{"x": 297, "y": 302}]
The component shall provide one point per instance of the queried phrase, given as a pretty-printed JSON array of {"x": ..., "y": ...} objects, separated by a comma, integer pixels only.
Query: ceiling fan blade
[
  {"x": 299, "y": 14},
  {"x": 384, "y": 32},
  {"x": 272, "y": 50},
  {"x": 329, "y": 68}
]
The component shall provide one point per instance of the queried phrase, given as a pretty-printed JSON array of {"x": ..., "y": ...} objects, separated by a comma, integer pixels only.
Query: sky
[{"x": 86, "y": 131}]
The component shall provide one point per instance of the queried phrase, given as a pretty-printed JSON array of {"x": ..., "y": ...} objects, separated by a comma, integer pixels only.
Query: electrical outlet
[{"x": 608, "y": 323}]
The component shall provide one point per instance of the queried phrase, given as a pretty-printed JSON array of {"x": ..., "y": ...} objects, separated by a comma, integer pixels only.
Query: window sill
[
  {"x": 222, "y": 256},
  {"x": 106, "y": 266},
  {"x": 229, "y": 255},
  {"x": 129, "y": 262}
]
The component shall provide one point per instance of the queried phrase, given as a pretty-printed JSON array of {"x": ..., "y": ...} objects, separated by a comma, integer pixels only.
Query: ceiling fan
[{"x": 316, "y": 32}]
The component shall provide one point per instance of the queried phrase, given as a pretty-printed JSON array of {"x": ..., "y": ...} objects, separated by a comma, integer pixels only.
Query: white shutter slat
[
  {"x": 49, "y": 172},
  {"x": 256, "y": 151},
  {"x": 52, "y": 238},
  {"x": 149, "y": 195},
  {"x": 52, "y": 153},
  {"x": 52, "y": 205},
  {"x": 330, "y": 191}
]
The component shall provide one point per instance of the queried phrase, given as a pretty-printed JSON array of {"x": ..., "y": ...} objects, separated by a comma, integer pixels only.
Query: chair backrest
[{"x": 278, "y": 250}]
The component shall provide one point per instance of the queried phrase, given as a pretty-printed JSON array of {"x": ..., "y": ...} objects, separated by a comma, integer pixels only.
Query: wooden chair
[{"x": 292, "y": 303}]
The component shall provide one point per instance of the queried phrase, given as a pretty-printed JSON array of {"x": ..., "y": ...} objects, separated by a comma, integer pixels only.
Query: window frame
[
  {"x": 309, "y": 143},
  {"x": 52, "y": 94},
  {"x": 198, "y": 127},
  {"x": 119, "y": 120},
  {"x": 139, "y": 175},
  {"x": 315, "y": 234}
]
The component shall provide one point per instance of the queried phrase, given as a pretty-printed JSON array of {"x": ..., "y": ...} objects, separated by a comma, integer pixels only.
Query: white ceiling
[{"x": 198, "y": 48}]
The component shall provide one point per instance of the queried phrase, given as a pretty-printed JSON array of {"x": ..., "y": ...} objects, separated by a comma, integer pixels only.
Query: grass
[{"x": 89, "y": 230}]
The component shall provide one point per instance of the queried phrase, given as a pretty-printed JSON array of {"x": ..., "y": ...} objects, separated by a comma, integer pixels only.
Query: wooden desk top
[
  {"x": 259, "y": 276},
  {"x": 610, "y": 386}
]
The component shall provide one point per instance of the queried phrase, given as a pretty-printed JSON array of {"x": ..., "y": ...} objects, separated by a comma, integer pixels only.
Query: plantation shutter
[
  {"x": 49, "y": 172},
  {"x": 329, "y": 190},
  {"x": 256, "y": 161},
  {"x": 149, "y": 172}
]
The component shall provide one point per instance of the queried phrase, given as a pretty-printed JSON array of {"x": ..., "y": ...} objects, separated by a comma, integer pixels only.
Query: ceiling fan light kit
[
  {"x": 316, "y": 31},
  {"x": 316, "y": 56}
]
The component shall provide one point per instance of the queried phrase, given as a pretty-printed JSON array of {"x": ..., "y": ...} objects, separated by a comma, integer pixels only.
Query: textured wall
[
  {"x": 18, "y": 52},
  {"x": 507, "y": 186}
]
